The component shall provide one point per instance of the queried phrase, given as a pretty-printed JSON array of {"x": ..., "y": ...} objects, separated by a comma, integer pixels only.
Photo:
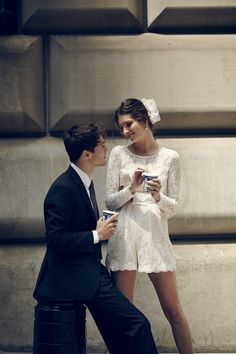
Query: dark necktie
[{"x": 93, "y": 199}]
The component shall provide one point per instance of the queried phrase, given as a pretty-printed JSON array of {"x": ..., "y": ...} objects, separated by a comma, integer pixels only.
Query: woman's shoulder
[
  {"x": 118, "y": 149},
  {"x": 170, "y": 153}
]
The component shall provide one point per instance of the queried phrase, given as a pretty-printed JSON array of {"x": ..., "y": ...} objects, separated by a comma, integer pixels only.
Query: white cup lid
[
  {"x": 150, "y": 174},
  {"x": 109, "y": 212}
]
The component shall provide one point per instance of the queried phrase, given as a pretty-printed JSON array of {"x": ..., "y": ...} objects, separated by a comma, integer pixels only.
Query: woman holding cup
[{"x": 142, "y": 184}]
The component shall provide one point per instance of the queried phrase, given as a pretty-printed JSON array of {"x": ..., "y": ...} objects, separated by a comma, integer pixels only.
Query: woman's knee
[{"x": 174, "y": 313}]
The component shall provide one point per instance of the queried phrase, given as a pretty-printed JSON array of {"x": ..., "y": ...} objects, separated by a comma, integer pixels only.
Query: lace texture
[{"x": 142, "y": 240}]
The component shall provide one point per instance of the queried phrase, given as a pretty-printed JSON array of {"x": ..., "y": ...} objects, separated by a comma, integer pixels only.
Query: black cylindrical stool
[{"x": 59, "y": 328}]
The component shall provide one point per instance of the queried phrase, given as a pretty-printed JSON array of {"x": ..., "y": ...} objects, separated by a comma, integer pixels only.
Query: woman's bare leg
[
  {"x": 125, "y": 282},
  {"x": 166, "y": 289}
]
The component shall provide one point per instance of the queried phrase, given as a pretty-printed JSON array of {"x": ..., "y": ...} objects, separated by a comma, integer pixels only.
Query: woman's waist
[{"x": 143, "y": 198}]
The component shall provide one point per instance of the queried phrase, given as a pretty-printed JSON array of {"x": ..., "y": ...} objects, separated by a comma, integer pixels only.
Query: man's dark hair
[{"x": 80, "y": 138}]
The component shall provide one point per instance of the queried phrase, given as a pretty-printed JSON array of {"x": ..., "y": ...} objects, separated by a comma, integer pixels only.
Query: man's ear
[{"x": 86, "y": 154}]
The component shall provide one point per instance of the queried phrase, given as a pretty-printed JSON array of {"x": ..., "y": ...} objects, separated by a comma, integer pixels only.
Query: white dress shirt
[{"x": 86, "y": 181}]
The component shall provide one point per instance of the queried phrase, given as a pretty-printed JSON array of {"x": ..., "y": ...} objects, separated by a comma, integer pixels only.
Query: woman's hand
[
  {"x": 154, "y": 187},
  {"x": 136, "y": 180}
]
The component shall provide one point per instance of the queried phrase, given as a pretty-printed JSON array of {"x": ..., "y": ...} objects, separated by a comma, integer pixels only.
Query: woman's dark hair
[
  {"x": 135, "y": 108},
  {"x": 80, "y": 138}
]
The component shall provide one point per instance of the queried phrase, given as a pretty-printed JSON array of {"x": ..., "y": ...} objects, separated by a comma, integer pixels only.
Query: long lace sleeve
[
  {"x": 168, "y": 202},
  {"x": 115, "y": 198}
]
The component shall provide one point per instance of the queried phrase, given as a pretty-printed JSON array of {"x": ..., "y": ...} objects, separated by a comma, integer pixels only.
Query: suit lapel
[{"x": 82, "y": 189}]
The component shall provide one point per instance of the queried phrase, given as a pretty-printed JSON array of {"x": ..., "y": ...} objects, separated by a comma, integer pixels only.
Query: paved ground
[
  {"x": 89, "y": 352},
  {"x": 94, "y": 351}
]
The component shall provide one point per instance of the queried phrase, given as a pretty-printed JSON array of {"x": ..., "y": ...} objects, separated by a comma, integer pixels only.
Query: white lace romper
[{"x": 141, "y": 241}]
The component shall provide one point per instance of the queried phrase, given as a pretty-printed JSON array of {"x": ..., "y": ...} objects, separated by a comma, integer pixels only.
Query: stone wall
[{"x": 69, "y": 61}]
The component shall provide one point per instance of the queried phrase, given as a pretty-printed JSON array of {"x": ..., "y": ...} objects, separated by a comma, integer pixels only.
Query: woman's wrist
[
  {"x": 156, "y": 197},
  {"x": 131, "y": 189}
]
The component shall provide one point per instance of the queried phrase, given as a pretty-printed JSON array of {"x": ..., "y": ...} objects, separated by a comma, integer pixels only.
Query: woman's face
[{"x": 131, "y": 128}]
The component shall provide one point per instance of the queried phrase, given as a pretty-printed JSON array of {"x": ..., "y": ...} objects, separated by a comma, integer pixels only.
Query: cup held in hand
[
  {"x": 147, "y": 176},
  {"x": 107, "y": 214}
]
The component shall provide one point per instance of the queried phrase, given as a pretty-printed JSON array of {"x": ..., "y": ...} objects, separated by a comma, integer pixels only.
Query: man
[{"x": 72, "y": 268}]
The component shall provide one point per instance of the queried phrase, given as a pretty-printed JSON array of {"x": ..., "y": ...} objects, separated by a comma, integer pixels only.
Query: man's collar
[{"x": 84, "y": 177}]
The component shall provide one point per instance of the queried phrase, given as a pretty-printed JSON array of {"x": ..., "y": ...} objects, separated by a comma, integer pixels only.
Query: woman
[{"x": 141, "y": 242}]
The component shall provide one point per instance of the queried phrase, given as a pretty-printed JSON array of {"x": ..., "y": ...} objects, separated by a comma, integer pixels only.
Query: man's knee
[{"x": 144, "y": 323}]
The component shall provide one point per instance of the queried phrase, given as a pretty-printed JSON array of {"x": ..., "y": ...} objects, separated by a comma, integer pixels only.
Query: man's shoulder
[
  {"x": 63, "y": 178},
  {"x": 63, "y": 181}
]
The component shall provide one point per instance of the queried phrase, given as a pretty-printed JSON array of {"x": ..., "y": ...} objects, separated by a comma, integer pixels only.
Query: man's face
[{"x": 99, "y": 154}]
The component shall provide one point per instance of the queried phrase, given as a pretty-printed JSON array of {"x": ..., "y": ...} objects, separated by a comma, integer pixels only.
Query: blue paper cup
[
  {"x": 148, "y": 176},
  {"x": 108, "y": 213}
]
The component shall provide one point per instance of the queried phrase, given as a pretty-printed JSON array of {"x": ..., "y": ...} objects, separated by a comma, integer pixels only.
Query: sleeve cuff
[
  {"x": 161, "y": 202},
  {"x": 127, "y": 192},
  {"x": 95, "y": 236}
]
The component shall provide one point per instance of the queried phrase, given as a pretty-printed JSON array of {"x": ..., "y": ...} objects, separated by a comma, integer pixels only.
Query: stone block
[
  {"x": 191, "y": 16},
  {"x": 192, "y": 78},
  {"x": 22, "y": 88},
  {"x": 205, "y": 275},
  {"x": 19, "y": 266},
  {"x": 206, "y": 207},
  {"x": 205, "y": 279},
  {"x": 84, "y": 16},
  {"x": 28, "y": 167},
  {"x": 207, "y": 190}
]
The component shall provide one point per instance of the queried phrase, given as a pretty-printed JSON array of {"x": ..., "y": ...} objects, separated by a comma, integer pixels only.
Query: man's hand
[{"x": 106, "y": 228}]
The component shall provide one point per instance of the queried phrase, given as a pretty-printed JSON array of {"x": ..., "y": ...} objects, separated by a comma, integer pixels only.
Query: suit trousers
[{"x": 123, "y": 327}]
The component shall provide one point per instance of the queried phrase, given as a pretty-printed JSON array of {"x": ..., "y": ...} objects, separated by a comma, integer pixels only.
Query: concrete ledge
[
  {"x": 194, "y": 16},
  {"x": 86, "y": 16},
  {"x": 206, "y": 207},
  {"x": 192, "y": 79},
  {"x": 21, "y": 229}
]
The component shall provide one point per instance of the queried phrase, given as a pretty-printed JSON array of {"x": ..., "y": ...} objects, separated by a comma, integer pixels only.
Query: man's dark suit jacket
[{"x": 71, "y": 266}]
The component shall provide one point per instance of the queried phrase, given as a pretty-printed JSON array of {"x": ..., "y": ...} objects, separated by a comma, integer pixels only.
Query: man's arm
[{"x": 59, "y": 211}]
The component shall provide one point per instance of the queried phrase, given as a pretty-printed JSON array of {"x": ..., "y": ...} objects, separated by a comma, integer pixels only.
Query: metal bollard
[{"x": 59, "y": 328}]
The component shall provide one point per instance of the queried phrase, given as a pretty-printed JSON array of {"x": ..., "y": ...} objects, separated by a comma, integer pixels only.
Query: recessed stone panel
[
  {"x": 22, "y": 88},
  {"x": 191, "y": 16},
  {"x": 192, "y": 78},
  {"x": 84, "y": 16}
]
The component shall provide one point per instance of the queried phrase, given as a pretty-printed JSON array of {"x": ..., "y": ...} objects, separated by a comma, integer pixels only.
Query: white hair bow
[{"x": 152, "y": 110}]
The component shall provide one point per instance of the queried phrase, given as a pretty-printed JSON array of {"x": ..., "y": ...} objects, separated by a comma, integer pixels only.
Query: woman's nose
[{"x": 125, "y": 130}]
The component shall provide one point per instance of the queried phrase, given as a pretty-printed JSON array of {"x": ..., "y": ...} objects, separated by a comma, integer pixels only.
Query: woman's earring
[{"x": 146, "y": 125}]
